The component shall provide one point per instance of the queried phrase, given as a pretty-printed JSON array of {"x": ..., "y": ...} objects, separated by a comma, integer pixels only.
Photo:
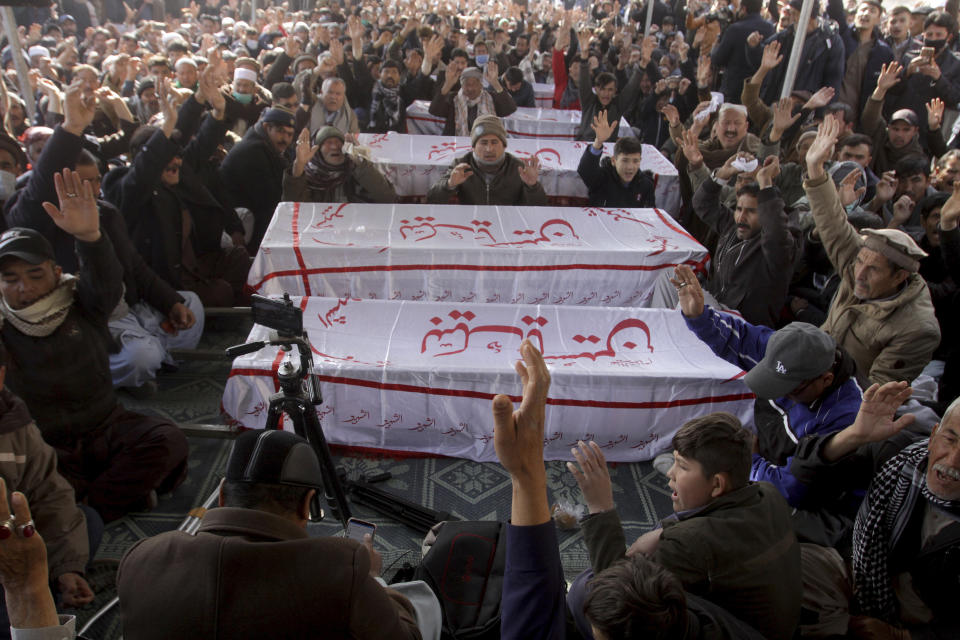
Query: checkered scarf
[{"x": 883, "y": 516}]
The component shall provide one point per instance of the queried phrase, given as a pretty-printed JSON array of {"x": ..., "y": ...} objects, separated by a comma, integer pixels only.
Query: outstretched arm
[{"x": 534, "y": 603}]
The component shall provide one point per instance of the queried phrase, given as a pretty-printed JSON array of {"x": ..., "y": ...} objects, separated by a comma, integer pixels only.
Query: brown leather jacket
[{"x": 252, "y": 574}]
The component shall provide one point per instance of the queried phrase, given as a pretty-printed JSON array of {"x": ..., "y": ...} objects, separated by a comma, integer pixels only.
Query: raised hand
[
  {"x": 530, "y": 171},
  {"x": 754, "y": 39},
  {"x": 821, "y": 98},
  {"x": 689, "y": 291},
  {"x": 305, "y": 152},
  {"x": 875, "y": 420},
  {"x": 592, "y": 476},
  {"x": 79, "y": 108},
  {"x": 902, "y": 210},
  {"x": 602, "y": 129},
  {"x": 291, "y": 47},
  {"x": 78, "y": 214},
  {"x": 336, "y": 51},
  {"x": 847, "y": 189},
  {"x": 690, "y": 145},
  {"x": 771, "y": 56},
  {"x": 783, "y": 117},
  {"x": 168, "y": 106},
  {"x": 886, "y": 187},
  {"x": 450, "y": 79},
  {"x": 518, "y": 438},
  {"x": 704, "y": 71},
  {"x": 583, "y": 39},
  {"x": 23, "y": 565},
  {"x": 460, "y": 174},
  {"x": 935, "y": 114},
  {"x": 492, "y": 74},
  {"x": 821, "y": 151},
  {"x": 434, "y": 47},
  {"x": 889, "y": 76},
  {"x": 768, "y": 172}
]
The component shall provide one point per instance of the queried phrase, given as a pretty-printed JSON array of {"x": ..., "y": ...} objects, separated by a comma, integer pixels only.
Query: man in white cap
[
  {"x": 187, "y": 74},
  {"x": 882, "y": 313},
  {"x": 488, "y": 174}
]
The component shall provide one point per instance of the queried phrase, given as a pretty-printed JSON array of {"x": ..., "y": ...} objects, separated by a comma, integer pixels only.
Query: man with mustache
[
  {"x": 906, "y": 536},
  {"x": 753, "y": 263},
  {"x": 881, "y": 313}
]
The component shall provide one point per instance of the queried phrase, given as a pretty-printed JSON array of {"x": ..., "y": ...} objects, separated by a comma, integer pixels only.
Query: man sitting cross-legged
[{"x": 56, "y": 337}]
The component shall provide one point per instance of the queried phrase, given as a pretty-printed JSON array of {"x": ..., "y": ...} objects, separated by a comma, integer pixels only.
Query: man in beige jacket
[{"x": 882, "y": 313}]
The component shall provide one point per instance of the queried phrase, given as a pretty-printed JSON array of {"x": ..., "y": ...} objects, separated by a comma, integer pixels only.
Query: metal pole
[
  {"x": 646, "y": 29},
  {"x": 10, "y": 27},
  {"x": 253, "y": 12},
  {"x": 799, "y": 35}
]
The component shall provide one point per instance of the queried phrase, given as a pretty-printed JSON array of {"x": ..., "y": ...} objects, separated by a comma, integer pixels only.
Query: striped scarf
[{"x": 883, "y": 516}]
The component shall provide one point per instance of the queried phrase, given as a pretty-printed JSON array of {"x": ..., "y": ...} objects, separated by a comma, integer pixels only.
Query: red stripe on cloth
[
  {"x": 472, "y": 267},
  {"x": 545, "y": 136},
  {"x": 294, "y": 224},
  {"x": 462, "y": 393}
]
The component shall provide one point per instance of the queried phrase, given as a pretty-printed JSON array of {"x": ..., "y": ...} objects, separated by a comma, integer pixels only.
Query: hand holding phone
[{"x": 357, "y": 528}]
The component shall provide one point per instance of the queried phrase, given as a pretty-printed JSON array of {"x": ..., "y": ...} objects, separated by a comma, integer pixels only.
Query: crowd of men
[{"x": 164, "y": 136}]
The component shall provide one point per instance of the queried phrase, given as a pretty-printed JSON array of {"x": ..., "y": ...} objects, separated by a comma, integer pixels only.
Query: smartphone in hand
[{"x": 357, "y": 528}]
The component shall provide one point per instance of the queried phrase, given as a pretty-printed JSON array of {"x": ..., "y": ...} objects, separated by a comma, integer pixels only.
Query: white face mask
[{"x": 252, "y": 44}]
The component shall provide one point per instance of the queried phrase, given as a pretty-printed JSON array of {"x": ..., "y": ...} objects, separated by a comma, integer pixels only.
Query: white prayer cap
[
  {"x": 37, "y": 50},
  {"x": 244, "y": 74}
]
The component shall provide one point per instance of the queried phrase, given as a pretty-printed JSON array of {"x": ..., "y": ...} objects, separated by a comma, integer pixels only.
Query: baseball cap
[
  {"x": 26, "y": 244},
  {"x": 907, "y": 115},
  {"x": 278, "y": 115},
  {"x": 273, "y": 457},
  {"x": 796, "y": 353}
]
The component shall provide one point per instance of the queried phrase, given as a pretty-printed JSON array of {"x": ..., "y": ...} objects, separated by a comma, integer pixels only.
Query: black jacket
[
  {"x": 605, "y": 187},
  {"x": 254, "y": 171},
  {"x": 65, "y": 377},
  {"x": 750, "y": 275},
  {"x": 822, "y": 63},
  {"x": 154, "y": 212},
  {"x": 730, "y": 54}
]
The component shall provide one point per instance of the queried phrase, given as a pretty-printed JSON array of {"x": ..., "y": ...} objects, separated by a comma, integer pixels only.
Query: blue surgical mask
[
  {"x": 482, "y": 59},
  {"x": 243, "y": 98}
]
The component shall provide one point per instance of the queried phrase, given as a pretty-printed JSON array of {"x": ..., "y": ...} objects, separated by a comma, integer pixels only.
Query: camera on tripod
[{"x": 285, "y": 320}]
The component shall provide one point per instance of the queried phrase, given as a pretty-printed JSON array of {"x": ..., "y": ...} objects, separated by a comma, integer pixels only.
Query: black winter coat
[{"x": 605, "y": 187}]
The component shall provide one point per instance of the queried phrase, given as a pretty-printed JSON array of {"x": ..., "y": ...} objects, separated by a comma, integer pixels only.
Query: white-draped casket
[
  {"x": 420, "y": 377},
  {"x": 413, "y": 164},
  {"x": 525, "y": 122},
  {"x": 582, "y": 256}
]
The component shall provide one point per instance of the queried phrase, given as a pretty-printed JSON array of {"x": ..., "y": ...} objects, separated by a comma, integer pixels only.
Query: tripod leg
[
  {"x": 332, "y": 488},
  {"x": 274, "y": 413}
]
